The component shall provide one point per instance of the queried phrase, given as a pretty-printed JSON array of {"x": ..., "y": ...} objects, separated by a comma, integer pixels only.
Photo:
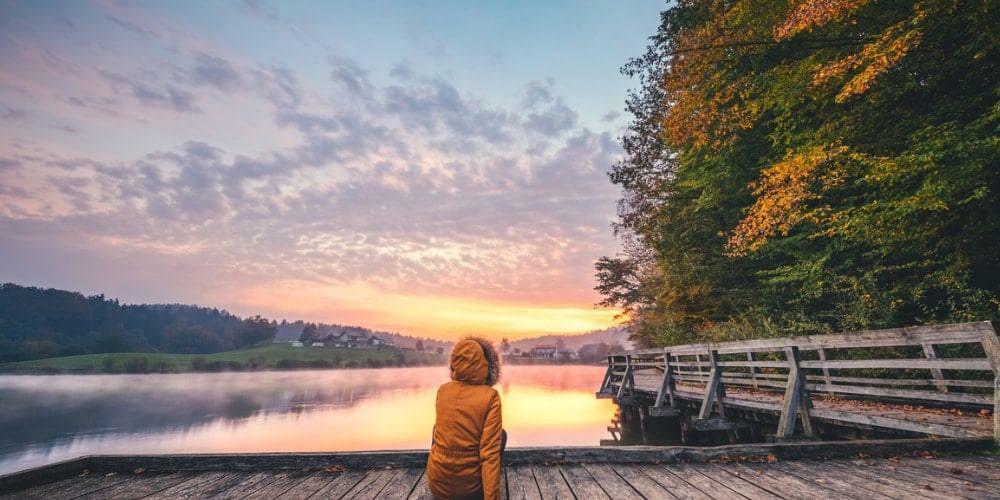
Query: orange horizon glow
[{"x": 424, "y": 315}]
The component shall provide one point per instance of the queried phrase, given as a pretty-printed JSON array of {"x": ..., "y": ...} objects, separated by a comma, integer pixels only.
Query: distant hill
[
  {"x": 42, "y": 323},
  {"x": 608, "y": 336}
]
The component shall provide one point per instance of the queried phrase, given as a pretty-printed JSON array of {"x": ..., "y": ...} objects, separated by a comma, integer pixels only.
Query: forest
[
  {"x": 41, "y": 323},
  {"x": 809, "y": 166}
]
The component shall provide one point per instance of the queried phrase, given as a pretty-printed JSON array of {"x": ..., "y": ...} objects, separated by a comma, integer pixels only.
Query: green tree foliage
[
  {"x": 810, "y": 166},
  {"x": 38, "y": 323}
]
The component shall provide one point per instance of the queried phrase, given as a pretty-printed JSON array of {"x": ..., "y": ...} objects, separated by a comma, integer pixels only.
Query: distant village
[{"x": 545, "y": 349}]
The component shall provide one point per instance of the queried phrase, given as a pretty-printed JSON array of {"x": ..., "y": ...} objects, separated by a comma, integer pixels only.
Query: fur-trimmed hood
[{"x": 474, "y": 360}]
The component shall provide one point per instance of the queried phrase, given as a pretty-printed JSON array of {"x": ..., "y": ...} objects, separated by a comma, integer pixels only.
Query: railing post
[
  {"x": 930, "y": 353},
  {"x": 607, "y": 375},
  {"x": 713, "y": 387},
  {"x": 991, "y": 345},
  {"x": 826, "y": 371},
  {"x": 796, "y": 398},
  {"x": 666, "y": 392},
  {"x": 625, "y": 377},
  {"x": 753, "y": 370}
]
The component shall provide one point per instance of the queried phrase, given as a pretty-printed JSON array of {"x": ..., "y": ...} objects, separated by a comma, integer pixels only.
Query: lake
[{"x": 50, "y": 418}]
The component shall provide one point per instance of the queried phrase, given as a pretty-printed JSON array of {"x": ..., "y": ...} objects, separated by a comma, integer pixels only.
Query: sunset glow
[{"x": 425, "y": 315}]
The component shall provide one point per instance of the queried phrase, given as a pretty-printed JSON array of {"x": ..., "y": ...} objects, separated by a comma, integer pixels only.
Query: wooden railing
[{"x": 940, "y": 364}]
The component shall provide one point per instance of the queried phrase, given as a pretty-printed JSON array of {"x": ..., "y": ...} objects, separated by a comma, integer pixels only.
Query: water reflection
[{"x": 50, "y": 418}]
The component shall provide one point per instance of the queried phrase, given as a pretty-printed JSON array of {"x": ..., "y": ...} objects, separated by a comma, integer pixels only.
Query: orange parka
[{"x": 465, "y": 452}]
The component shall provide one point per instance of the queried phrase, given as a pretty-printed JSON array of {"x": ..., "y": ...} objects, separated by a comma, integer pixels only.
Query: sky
[{"x": 433, "y": 168}]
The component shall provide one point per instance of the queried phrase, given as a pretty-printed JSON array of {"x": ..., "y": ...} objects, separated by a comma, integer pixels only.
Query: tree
[
  {"x": 806, "y": 167},
  {"x": 255, "y": 330},
  {"x": 420, "y": 345},
  {"x": 505, "y": 345},
  {"x": 310, "y": 334}
]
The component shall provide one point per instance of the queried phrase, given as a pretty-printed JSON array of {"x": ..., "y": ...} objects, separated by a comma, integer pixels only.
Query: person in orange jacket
[{"x": 468, "y": 437}]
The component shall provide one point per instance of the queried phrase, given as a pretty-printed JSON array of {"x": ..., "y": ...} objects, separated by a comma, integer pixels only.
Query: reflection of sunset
[
  {"x": 333, "y": 410},
  {"x": 426, "y": 315}
]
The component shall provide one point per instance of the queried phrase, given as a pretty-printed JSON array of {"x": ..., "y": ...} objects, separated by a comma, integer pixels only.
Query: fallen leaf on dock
[
  {"x": 140, "y": 470},
  {"x": 335, "y": 469},
  {"x": 110, "y": 474}
]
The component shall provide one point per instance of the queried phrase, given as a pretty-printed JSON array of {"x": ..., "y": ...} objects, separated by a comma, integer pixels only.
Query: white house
[
  {"x": 318, "y": 344},
  {"x": 296, "y": 343}
]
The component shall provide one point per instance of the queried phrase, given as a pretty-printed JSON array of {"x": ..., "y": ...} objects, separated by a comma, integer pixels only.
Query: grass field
[{"x": 275, "y": 356}]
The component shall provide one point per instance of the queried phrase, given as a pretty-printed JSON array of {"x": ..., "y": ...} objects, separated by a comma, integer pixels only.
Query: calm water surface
[{"x": 48, "y": 418}]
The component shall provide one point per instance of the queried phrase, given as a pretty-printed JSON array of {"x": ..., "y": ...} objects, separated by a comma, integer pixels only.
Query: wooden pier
[
  {"x": 930, "y": 381},
  {"x": 905, "y": 413},
  {"x": 774, "y": 471}
]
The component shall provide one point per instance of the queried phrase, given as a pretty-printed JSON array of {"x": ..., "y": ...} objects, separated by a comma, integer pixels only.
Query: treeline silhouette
[{"x": 40, "y": 323}]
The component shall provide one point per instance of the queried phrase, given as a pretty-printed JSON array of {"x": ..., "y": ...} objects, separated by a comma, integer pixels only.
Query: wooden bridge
[{"x": 932, "y": 381}]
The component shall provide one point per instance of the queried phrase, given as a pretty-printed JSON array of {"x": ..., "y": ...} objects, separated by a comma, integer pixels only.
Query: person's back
[{"x": 468, "y": 437}]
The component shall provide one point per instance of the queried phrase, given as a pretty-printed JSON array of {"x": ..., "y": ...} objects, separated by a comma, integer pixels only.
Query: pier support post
[
  {"x": 991, "y": 345},
  {"x": 753, "y": 370},
  {"x": 796, "y": 400}
]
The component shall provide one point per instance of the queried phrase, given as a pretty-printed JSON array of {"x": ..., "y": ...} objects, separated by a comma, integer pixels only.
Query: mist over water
[{"x": 49, "y": 418}]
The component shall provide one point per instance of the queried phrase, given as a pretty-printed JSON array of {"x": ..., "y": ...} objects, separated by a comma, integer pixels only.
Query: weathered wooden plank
[
  {"x": 930, "y": 428},
  {"x": 402, "y": 485},
  {"x": 244, "y": 485},
  {"x": 834, "y": 480},
  {"x": 186, "y": 489},
  {"x": 923, "y": 364},
  {"x": 139, "y": 486},
  {"x": 905, "y": 488},
  {"x": 521, "y": 484},
  {"x": 72, "y": 487},
  {"x": 976, "y": 471},
  {"x": 343, "y": 483},
  {"x": 308, "y": 485},
  {"x": 733, "y": 482},
  {"x": 777, "y": 480},
  {"x": 611, "y": 482},
  {"x": 282, "y": 483},
  {"x": 373, "y": 483},
  {"x": 551, "y": 483},
  {"x": 422, "y": 492},
  {"x": 703, "y": 483},
  {"x": 646, "y": 486},
  {"x": 581, "y": 482},
  {"x": 933, "y": 481},
  {"x": 954, "y": 397},
  {"x": 671, "y": 483}
]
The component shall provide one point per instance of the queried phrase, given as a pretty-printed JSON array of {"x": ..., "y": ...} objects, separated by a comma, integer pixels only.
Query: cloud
[
  {"x": 554, "y": 120},
  {"x": 215, "y": 72},
  {"x": 13, "y": 114},
  {"x": 152, "y": 94},
  {"x": 351, "y": 75},
  {"x": 411, "y": 187}
]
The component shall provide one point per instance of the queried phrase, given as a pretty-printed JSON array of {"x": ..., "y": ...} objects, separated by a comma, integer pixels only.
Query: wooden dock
[
  {"x": 733, "y": 472},
  {"x": 933, "y": 381}
]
